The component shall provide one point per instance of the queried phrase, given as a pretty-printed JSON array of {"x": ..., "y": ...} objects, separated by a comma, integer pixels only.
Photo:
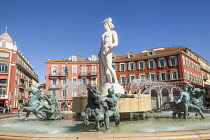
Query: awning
[{"x": 93, "y": 77}]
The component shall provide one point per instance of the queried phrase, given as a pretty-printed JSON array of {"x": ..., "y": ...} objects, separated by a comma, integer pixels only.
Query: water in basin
[{"x": 157, "y": 122}]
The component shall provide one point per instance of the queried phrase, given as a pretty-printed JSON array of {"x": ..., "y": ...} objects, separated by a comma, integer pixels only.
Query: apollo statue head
[{"x": 109, "y": 22}]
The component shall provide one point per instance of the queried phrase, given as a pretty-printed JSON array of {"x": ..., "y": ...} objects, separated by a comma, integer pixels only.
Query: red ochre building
[
  {"x": 16, "y": 75},
  {"x": 165, "y": 64}
]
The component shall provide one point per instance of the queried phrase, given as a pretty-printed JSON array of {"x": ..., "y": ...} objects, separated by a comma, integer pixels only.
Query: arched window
[
  {"x": 3, "y": 68},
  {"x": 176, "y": 92},
  {"x": 165, "y": 92},
  {"x": 54, "y": 70},
  {"x": 3, "y": 44},
  {"x": 2, "y": 90},
  {"x": 154, "y": 93}
]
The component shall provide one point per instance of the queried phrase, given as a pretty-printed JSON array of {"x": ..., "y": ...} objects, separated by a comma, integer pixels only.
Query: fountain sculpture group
[
  {"x": 190, "y": 98},
  {"x": 100, "y": 109},
  {"x": 41, "y": 110}
]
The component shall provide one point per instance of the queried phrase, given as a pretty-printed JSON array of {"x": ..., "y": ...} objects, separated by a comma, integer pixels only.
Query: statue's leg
[
  {"x": 84, "y": 117},
  {"x": 174, "y": 114},
  {"x": 27, "y": 115},
  {"x": 20, "y": 112},
  {"x": 28, "y": 111},
  {"x": 107, "y": 73},
  {"x": 43, "y": 105},
  {"x": 110, "y": 68},
  {"x": 97, "y": 122},
  {"x": 108, "y": 114},
  {"x": 197, "y": 109},
  {"x": 106, "y": 122},
  {"x": 52, "y": 108},
  {"x": 185, "y": 110},
  {"x": 117, "y": 119},
  {"x": 102, "y": 69}
]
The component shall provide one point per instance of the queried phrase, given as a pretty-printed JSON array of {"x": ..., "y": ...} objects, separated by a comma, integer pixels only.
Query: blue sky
[{"x": 58, "y": 29}]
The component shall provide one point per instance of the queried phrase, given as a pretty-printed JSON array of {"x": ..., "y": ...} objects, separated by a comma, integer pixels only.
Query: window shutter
[
  {"x": 166, "y": 76},
  {"x": 124, "y": 67},
  {"x": 169, "y": 61},
  {"x": 171, "y": 75},
  {"x": 148, "y": 64},
  {"x": 154, "y": 64},
  {"x": 51, "y": 70},
  {"x": 129, "y": 66},
  {"x": 160, "y": 77},
  {"x": 159, "y": 65},
  {"x": 186, "y": 62},
  {"x": 176, "y": 62},
  {"x": 134, "y": 66},
  {"x": 130, "y": 79},
  {"x": 66, "y": 93},
  {"x": 164, "y": 61},
  {"x": 120, "y": 67}
]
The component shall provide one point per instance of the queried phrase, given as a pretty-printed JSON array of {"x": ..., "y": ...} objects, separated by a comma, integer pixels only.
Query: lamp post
[{"x": 66, "y": 86}]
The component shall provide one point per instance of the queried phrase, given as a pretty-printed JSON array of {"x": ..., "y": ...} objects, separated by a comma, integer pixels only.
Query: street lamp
[{"x": 66, "y": 86}]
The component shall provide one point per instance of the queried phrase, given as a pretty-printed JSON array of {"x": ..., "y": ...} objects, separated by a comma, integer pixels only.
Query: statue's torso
[
  {"x": 112, "y": 103},
  {"x": 107, "y": 37},
  {"x": 33, "y": 101},
  {"x": 186, "y": 96}
]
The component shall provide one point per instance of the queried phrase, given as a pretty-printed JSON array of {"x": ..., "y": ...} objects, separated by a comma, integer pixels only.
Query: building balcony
[
  {"x": 21, "y": 97},
  {"x": 22, "y": 86},
  {"x": 27, "y": 69},
  {"x": 3, "y": 96},
  {"x": 23, "y": 77},
  {"x": 30, "y": 82},
  {"x": 205, "y": 78},
  {"x": 4, "y": 71},
  {"x": 88, "y": 74},
  {"x": 57, "y": 74},
  {"x": 51, "y": 87},
  {"x": 55, "y": 87}
]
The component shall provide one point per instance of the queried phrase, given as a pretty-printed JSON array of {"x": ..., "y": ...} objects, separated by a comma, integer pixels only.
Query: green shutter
[
  {"x": 159, "y": 64},
  {"x": 164, "y": 62},
  {"x": 169, "y": 61},
  {"x": 154, "y": 65},
  {"x": 176, "y": 62},
  {"x": 171, "y": 75},
  {"x": 160, "y": 77},
  {"x": 129, "y": 67}
]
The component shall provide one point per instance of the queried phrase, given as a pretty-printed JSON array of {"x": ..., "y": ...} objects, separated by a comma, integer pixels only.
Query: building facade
[
  {"x": 66, "y": 71},
  {"x": 205, "y": 70},
  {"x": 165, "y": 64},
  {"x": 16, "y": 75}
]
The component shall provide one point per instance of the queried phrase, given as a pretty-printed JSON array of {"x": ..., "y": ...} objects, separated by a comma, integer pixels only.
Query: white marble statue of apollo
[{"x": 108, "y": 40}]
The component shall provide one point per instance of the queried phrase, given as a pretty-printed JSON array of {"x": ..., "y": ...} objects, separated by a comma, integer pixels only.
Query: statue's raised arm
[{"x": 124, "y": 95}]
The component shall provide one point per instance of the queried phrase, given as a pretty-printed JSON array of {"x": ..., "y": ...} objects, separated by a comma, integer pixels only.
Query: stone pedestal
[
  {"x": 117, "y": 88},
  {"x": 141, "y": 103}
]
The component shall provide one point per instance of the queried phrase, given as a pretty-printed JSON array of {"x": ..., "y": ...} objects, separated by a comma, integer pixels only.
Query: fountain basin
[{"x": 160, "y": 125}]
